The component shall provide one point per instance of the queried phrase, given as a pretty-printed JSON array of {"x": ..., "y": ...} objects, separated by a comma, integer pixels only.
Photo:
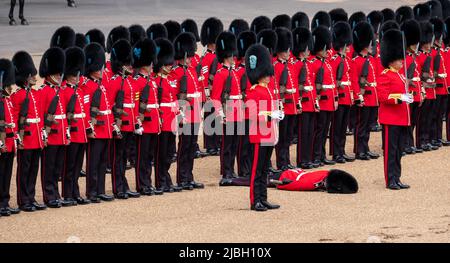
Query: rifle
[
  {"x": 340, "y": 68},
  {"x": 183, "y": 81},
  {"x": 212, "y": 71},
  {"x": 226, "y": 91},
  {"x": 118, "y": 107},
  {"x": 283, "y": 80},
  {"x": 243, "y": 83},
  {"x": 95, "y": 106},
  {"x": 404, "y": 61},
  {"x": 437, "y": 60},
  {"x": 363, "y": 77},
  {"x": 50, "y": 115},
  {"x": 143, "y": 102},
  {"x": 72, "y": 101},
  {"x": 319, "y": 76},
  {"x": 23, "y": 115},
  {"x": 302, "y": 78}
]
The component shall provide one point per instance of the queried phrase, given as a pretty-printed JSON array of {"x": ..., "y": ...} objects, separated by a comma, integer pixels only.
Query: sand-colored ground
[{"x": 214, "y": 214}]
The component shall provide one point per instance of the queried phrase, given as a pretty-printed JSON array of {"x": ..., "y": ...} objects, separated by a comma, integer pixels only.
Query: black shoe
[
  {"x": 82, "y": 201},
  {"x": 339, "y": 159},
  {"x": 306, "y": 166},
  {"x": 121, "y": 195},
  {"x": 362, "y": 156},
  {"x": 212, "y": 152},
  {"x": 165, "y": 189},
  {"x": 410, "y": 150},
  {"x": 94, "y": 200},
  {"x": 425, "y": 147},
  {"x": 27, "y": 208},
  {"x": 373, "y": 155},
  {"x": 83, "y": 173},
  {"x": 393, "y": 186},
  {"x": 105, "y": 197},
  {"x": 226, "y": 182},
  {"x": 445, "y": 142},
  {"x": 197, "y": 185},
  {"x": 54, "y": 204},
  {"x": 259, "y": 207},
  {"x": 269, "y": 205},
  {"x": 4, "y": 212},
  {"x": 273, "y": 170},
  {"x": 436, "y": 143},
  {"x": 175, "y": 188},
  {"x": 316, "y": 163},
  {"x": 68, "y": 202},
  {"x": 38, "y": 206},
  {"x": 146, "y": 191},
  {"x": 156, "y": 191},
  {"x": 12, "y": 22},
  {"x": 13, "y": 211},
  {"x": 348, "y": 158},
  {"x": 417, "y": 150},
  {"x": 132, "y": 194},
  {"x": 186, "y": 186},
  {"x": 402, "y": 185},
  {"x": 328, "y": 162},
  {"x": 432, "y": 147}
]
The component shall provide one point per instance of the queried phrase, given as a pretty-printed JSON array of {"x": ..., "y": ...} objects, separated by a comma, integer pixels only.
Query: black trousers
[
  {"x": 394, "y": 141},
  {"x": 131, "y": 150},
  {"x": 52, "y": 168},
  {"x": 163, "y": 157},
  {"x": 286, "y": 131},
  {"x": 6, "y": 166},
  {"x": 414, "y": 110},
  {"x": 438, "y": 112},
  {"x": 211, "y": 141},
  {"x": 364, "y": 117},
  {"x": 338, "y": 132},
  {"x": 260, "y": 169},
  {"x": 229, "y": 147},
  {"x": 119, "y": 180},
  {"x": 447, "y": 120},
  {"x": 322, "y": 126},
  {"x": 352, "y": 117},
  {"x": 27, "y": 172},
  {"x": 244, "y": 153},
  {"x": 74, "y": 163},
  {"x": 96, "y": 162},
  {"x": 145, "y": 148},
  {"x": 185, "y": 156},
  {"x": 305, "y": 137},
  {"x": 425, "y": 121}
]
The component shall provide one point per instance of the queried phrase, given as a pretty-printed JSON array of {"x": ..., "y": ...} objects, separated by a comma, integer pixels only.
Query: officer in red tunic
[
  {"x": 364, "y": 82},
  {"x": 324, "y": 81},
  {"x": 30, "y": 122},
  {"x": 342, "y": 40},
  {"x": 424, "y": 61},
  {"x": 211, "y": 28},
  {"x": 411, "y": 28},
  {"x": 190, "y": 95},
  {"x": 77, "y": 122},
  {"x": 226, "y": 96},
  {"x": 244, "y": 41},
  {"x": 100, "y": 121},
  {"x": 8, "y": 135},
  {"x": 146, "y": 112},
  {"x": 55, "y": 123},
  {"x": 264, "y": 117},
  {"x": 302, "y": 40},
  {"x": 394, "y": 100},
  {"x": 168, "y": 108},
  {"x": 124, "y": 95},
  {"x": 440, "y": 66},
  {"x": 286, "y": 74}
]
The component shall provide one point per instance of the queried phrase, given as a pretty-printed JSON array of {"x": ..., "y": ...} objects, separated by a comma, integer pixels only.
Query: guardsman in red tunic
[
  {"x": 27, "y": 103},
  {"x": 227, "y": 98},
  {"x": 146, "y": 112},
  {"x": 168, "y": 108},
  {"x": 364, "y": 82},
  {"x": 425, "y": 62},
  {"x": 264, "y": 117},
  {"x": 302, "y": 39},
  {"x": 190, "y": 95},
  {"x": 77, "y": 123},
  {"x": 286, "y": 74},
  {"x": 325, "y": 85},
  {"x": 440, "y": 66},
  {"x": 55, "y": 123},
  {"x": 394, "y": 100},
  {"x": 100, "y": 122},
  {"x": 8, "y": 135},
  {"x": 244, "y": 41},
  {"x": 411, "y": 28},
  {"x": 116, "y": 34},
  {"x": 342, "y": 39},
  {"x": 211, "y": 28},
  {"x": 125, "y": 97}
]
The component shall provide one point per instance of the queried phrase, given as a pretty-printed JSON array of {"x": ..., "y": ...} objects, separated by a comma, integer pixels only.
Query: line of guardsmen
[{"x": 327, "y": 76}]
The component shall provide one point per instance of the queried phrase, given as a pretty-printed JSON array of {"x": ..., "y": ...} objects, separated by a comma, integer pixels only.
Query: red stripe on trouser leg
[
  {"x": 180, "y": 145},
  {"x": 254, "y": 167},
  {"x": 386, "y": 152},
  {"x": 138, "y": 164}
]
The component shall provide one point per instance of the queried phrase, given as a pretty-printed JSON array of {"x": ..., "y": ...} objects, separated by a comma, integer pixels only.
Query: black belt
[
  {"x": 10, "y": 135},
  {"x": 100, "y": 123},
  {"x": 26, "y": 133},
  {"x": 341, "y": 95},
  {"x": 323, "y": 97},
  {"x": 288, "y": 101},
  {"x": 368, "y": 92},
  {"x": 440, "y": 85},
  {"x": 125, "y": 123},
  {"x": 73, "y": 129},
  {"x": 148, "y": 118},
  {"x": 305, "y": 99},
  {"x": 414, "y": 93},
  {"x": 53, "y": 131}
]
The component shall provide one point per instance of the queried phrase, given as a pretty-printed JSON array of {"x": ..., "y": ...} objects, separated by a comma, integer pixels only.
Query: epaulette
[
  {"x": 335, "y": 57},
  {"x": 385, "y": 71},
  {"x": 313, "y": 60},
  {"x": 115, "y": 77},
  {"x": 42, "y": 86},
  {"x": 85, "y": 81}
]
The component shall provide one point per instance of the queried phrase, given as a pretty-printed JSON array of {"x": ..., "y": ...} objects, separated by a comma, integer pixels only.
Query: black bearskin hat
[
  {"x": 244, "y": 41},
  {"x": 342, "y": 35},
  {"x": 411, "y": 28},
  {"x": 375, "y": 19},
  {"x": 238, "y": 26},
  {"x": 388, "y": 14},
  {"x": 94, "y": 58},
  {"x": 173, "y": 29},
  {"x": 300, "y": 19},
  {"x": 190, "y": 26},
  {"x": 337, "y": 15},
  {"x": 165, "y": 53},
  {"x": 117, "y": 33},
  {"x": 225, "y": 46},
  {"x": 184, "y": 44},
  {"x": 7, "y": 75},
  {"x": 95, "y": 36},
  {"x": 80, "y": 40},
  {"x": 357, "y": 17},
  {"x": 388, "y": 25},
  {"x": 211, "y": 28},
  {"x": 438, "y": 27},
  {"x": 281, "y": 21},
  {"x": 267, "y": 38},
  {"x": 302, "y": 40},
  {"x": 436, "y": 8},
  {"x": 156, "y": 31},
  {"x": 121, "y": 55},
  {"x": 447, "y": 28},
  {"x": 74, "y": 62},
  {"x": 24, "y": 67},
  {"x": 362, "y": 36},
  {"x": 321, "y": 39},
  {"x": 427, "y": 32},
  {"x": 52, "y": 62},
  {"x": 284, "y": 40},
  {"x": 64, "y": 37},
  {"x": 391, "y": 47},
  {"x": 258, "y": 63},
  {"x": 422, "y": 12},
  {"x": 137, "y": 32},
  {"x": 321, "y": 18},
  {"x": 445, "y": 8},
  {"x": 404, "y": 13},
  {"x": 144, "y": 53},
  {"x": 341, "y": 182},
  {"x": 260, "y": 23}
]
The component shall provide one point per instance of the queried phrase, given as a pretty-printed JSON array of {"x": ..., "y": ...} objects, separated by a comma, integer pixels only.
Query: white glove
[
  {"x": 408, "y": 98},
  {"x": 277, "y": 115},
  {"x": 207, "y": 93}
]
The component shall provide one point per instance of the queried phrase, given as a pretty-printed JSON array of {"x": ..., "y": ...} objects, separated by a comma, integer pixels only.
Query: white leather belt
[
  {"x": 372, "y": 84},
  {"x": 193, "y": 95},
  {"x": 308, "y": 88},
  {"x": 152, "y": 106},
  {"x": 168, "y": 104},
  {"x": 443, "y": 75},
  {"x": 346, "y": 83},
  {"x": 35, "y": 120},
  {"x": 79, "y": 116},
  {"x": 328, "y": 86},
  {"x": 60, "y": 117},
  {"x": 235, "y": 97},
  {"x": 11, "y": 125},
  {"x": 290, "y": 91},
  {"x": 129, "y": 105},
  {"x": 104, "y": 112},
  {"x": 415, "y": 79}
]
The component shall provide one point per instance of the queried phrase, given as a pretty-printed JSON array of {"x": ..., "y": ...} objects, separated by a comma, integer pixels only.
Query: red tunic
[
  {"x": 292, "y": 95},
  {"x": 370, "y": 95},
  {"x": 240, "y": 71},
  {"x": 302, "y": 180},
  {"x": 11, "y": 124},
  {"x": 345, "y": 91},
  {"x": 417, "y": 87},
  {"x": 130, "y": 101},
  {"x": 441, "y": 79},
  {"x": 309, "y": 93},
  {"x": 151, "y": 123},
  {"x": 430, "y": 92},
  {"x": 194, "y": 94},
  {"x": 168, "y": 105},
  {"x": 328, "y": 94},
  {"x": 58, "y": 131},
  {"x": 80, "y": 123}
]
